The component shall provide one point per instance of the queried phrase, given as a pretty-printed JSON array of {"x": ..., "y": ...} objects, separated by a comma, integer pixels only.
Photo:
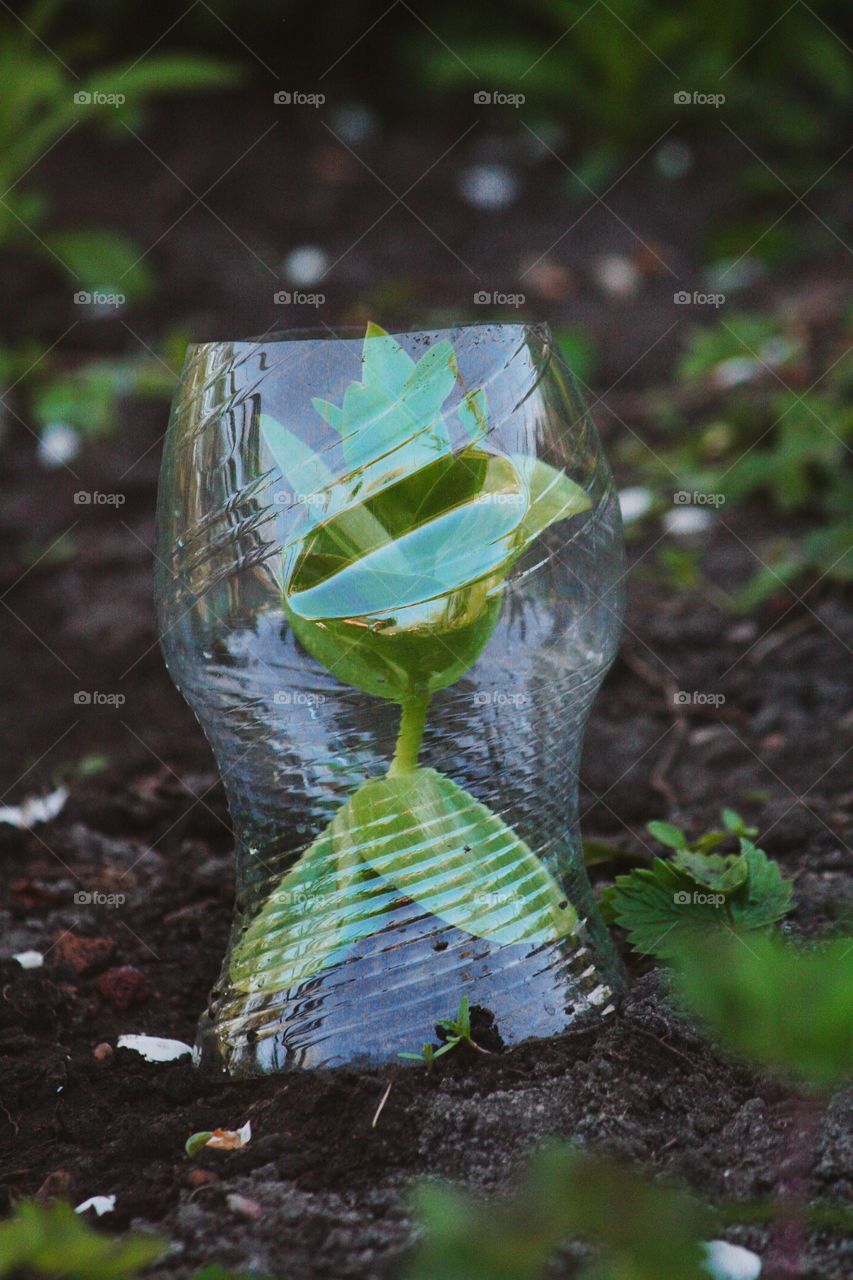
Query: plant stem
[{"x": 408, "y": 746}]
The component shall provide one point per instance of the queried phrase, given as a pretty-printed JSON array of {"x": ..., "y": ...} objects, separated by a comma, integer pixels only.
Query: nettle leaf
[
  {"x": 664, "y": 905},
  {"x": 784, "y": 1006}
]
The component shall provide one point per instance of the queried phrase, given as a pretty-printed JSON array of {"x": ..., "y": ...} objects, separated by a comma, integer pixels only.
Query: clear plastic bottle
[{"x": 390, "y": 583}]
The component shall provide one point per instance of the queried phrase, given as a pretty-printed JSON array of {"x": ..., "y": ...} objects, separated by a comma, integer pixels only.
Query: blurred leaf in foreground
[{"x": 784, "y": 1006}]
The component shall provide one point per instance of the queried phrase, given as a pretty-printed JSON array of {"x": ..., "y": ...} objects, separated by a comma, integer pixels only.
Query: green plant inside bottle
[{"x": 394, "y": 581}]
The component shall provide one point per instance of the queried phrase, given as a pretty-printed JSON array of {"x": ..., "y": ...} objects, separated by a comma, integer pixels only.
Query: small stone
[
  {"x": 244, "y": 1206},
  {"x": 685, "y": 521},
  {"x": 306, "y": 265},
  {"x": 58, "y": 445},
  {"x": 488, "y": 186},
  {"x": 726, "y": 1261},
  {"x": 617, "y": 275},
  {"x": 102, "y": 1052},
  {"x": 634, "y": 503},
  {"x": 81, "y": 954},
  {"x": 673, "y": 158},
  {"x": 124, "y": 986},
  {"x": 201, "y": 1178},
  {"x": 734, "y": 371},
  {"x": 29, "y": 959}
]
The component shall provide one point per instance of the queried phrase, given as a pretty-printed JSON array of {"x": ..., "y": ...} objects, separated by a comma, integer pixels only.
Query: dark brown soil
[{"x": 153, "y": 827}]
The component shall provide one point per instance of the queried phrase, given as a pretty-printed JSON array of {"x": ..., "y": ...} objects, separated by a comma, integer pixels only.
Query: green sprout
[
  {"x": 457, "y": 1031},
  {"x": 696, "y": 891},
  {"x": 393, "y": 563}
]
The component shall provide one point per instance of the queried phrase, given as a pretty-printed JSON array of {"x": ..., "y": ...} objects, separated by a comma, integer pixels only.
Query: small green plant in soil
[
  {"x": 393, "y": 581},
  {"x": 51, "y": 1240},
  {"x": 696, "y": 891},
  {"x": 457, "y": 1031}
]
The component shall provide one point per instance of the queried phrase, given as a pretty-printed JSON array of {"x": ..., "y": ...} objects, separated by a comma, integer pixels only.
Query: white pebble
[
  {"x": 726, "y": 1261},
  {"x": 29, "y": 959},
  {"x": 58, "y": 444},
  {"x": 617, "y": 275},
  {"x": 305, "y": 265},
  {"x": 154, "y": 1048},
  {"x": 488, "y": 186},
  {"x": 355, "y": 122},
  {"x": 737, "y": 369},
  {"x": 101, "y": 1205},
  {"x": 634, "y": 503},
  {"x": 684, "y": 521},
  {"x": 674, "y": 158}
]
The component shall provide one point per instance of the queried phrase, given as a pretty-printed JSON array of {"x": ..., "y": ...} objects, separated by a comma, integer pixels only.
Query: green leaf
[
  {"x": 197, "y": 1142},
  {"x": 785, "y": 1007},
  {"x": 734, "y": 823},
  {"x": 415, "y": 834},
  {"x": 661, "y": 906},
  {"x": 101, "y": 260},
  {"x": 644, "y": 1229},
  {"x": 667, "y": 834},
  {"x": 393, "y": 577},
  {"x": 422, "y": 834},
  {"x": 52, "y": 1240},
  {"x": 552, "y": 496},
  {"x": 323, "y": 904},
  {"x": 304, "y": 472},
  {"x": 721, "y": 873},
  {"x": 598, "y": 851}
]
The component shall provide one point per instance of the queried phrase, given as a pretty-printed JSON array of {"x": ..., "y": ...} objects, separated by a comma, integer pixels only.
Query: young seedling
[
  {"x": 429, "y": 1054},
  {"x": 457, "y": 1031},
  {"x": 695, "y": 891}
]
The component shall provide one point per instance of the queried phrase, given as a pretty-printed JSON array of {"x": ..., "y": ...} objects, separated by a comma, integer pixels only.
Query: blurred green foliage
[
  {"x": 786, "y": 1007},
  {"x": 50, "y": 1240},
  {"x": 611, "y": 70},
  {"x": 44, "y": 98},
  {"x": 758, "y": 416},
  {"x": 646, "y": 1230}
]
